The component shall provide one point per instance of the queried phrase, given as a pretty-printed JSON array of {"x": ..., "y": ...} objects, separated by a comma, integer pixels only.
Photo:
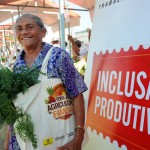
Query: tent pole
[
  {"x": 44, "y": 3},
  {"x": 4, "y": 47},
  {"x": 18, "y": 11},
  {"x": 62, "y": 18},
  {"x": 0, "y": 59},
  {"x": 14, "y": 33},
  {"x": 68, "y": 22}
]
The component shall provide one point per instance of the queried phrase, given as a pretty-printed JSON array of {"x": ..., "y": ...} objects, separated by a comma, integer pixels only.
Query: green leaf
[
  {"x": 11, "y": 84},
  {"x": 50, "y": 90}
]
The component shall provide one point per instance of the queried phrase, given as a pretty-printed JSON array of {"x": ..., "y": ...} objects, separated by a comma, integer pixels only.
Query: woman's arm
[
  {"x": 6, "y": 143},
  {"x": 79, "y": 112}
]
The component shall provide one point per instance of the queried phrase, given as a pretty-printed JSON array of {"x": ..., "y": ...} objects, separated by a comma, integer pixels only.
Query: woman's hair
[
  {"x": 38, "y": 20},
  {"x": 78, "y": 43},
  {"x": 66, "y": 44}
]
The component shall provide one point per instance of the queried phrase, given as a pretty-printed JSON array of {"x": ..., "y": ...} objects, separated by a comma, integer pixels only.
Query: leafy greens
[{"x": 11, "y": 84}]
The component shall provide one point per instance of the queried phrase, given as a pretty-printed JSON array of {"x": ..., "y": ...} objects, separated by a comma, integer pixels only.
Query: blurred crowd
[{"x": 78, "y": 52}]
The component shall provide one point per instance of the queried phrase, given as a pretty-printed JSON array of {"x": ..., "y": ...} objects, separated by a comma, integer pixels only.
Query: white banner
[{"x": 118, "y": 77}]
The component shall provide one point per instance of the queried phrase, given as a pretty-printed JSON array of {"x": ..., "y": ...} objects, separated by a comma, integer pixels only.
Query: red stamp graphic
[{"x": 119, "y": 100}]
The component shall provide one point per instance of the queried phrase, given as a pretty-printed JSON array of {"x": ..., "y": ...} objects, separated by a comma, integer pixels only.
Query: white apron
[{"x": 51, "y": 111}]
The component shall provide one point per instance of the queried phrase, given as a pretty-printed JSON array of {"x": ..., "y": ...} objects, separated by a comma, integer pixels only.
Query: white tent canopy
[
  {"x": 88, "y": 4},
  {"x": 47, "y": 10}
]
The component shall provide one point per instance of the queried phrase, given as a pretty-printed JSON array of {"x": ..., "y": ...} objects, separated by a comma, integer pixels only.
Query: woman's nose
[{"x": 24, "y": 31}]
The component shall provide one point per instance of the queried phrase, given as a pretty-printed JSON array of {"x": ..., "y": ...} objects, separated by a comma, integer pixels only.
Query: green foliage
[
  {"x": 81, "y": 66},
  {"x": 25, "y": 129},
  {"x": 50, "y": 90},
  {"x": 7, "y": 110},
  {"x": 12, "y": 83}
]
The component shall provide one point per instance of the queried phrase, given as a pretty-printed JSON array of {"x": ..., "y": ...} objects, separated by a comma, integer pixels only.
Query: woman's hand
[
  {"x": 70, "y": 38},
  {"x": 75, "y": 48},
  {"x": 76, "y": 143},
  {"x": 79, "y": 113}
]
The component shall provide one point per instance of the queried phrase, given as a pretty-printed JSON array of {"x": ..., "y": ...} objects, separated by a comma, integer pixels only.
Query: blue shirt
[{"x": 60, "y": 65}]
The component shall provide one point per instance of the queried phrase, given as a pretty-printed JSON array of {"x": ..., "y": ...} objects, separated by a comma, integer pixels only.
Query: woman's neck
[{"x": 31, "y": 54}]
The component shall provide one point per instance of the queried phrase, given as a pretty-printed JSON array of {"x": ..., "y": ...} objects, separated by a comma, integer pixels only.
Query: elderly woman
[{"x": 30, "y": 31}]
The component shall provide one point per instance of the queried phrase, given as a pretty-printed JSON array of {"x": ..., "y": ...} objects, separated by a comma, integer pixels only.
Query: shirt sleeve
[
  {"x": 71, "y": 78},
  {"x": 61, "y": 65}
]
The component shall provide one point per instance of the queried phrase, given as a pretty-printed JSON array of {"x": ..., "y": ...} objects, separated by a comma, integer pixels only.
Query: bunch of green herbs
[{"x": 11, "y": 84}]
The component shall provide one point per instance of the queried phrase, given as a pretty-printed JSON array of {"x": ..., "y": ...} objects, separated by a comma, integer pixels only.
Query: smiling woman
[
  {"x": 30, "y": 34},
  {"x": 58, "y": 66}
]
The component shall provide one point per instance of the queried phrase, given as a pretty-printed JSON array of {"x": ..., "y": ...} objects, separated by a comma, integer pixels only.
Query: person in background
[
  {"x": 74, "y": 54},
  {"x": 55, "y": 42},
  {"x": 30, "y": 31},
  {"x": 89, "y": 33},
  {"x": 66, "y": 48},
  {"x": 80, "y": 51}
]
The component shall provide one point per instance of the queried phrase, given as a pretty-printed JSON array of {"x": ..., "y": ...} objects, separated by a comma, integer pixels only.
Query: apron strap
[{"x": 44, "y": 65}]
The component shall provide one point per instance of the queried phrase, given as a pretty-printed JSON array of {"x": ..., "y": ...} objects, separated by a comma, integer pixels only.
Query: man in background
[{"x": 79, "y": 51}]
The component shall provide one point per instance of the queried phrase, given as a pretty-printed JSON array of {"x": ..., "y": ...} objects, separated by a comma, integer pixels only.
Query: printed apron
[{"x": 51, "y": 110}]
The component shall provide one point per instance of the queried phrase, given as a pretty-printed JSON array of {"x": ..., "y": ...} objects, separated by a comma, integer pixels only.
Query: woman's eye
[
  {"x": 30, "y": 27},
  {"x": 19, "y": 29}
]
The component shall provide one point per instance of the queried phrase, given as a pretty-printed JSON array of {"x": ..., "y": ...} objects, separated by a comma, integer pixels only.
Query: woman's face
[{"x": 28, "y": 33}]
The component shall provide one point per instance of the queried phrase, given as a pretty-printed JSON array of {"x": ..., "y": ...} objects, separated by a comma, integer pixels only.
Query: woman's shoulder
[
  {"x": 57, "y": 54},
  {"x": 54, "y": 50},
  {"x": 59, "y": 51}
]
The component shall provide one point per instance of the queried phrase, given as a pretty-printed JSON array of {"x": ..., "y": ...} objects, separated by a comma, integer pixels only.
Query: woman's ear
[{"x": 44, "y": 30}]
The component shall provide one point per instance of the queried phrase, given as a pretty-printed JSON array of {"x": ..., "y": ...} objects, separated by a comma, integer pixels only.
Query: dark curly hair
[{"x": 78, "y": 43}]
